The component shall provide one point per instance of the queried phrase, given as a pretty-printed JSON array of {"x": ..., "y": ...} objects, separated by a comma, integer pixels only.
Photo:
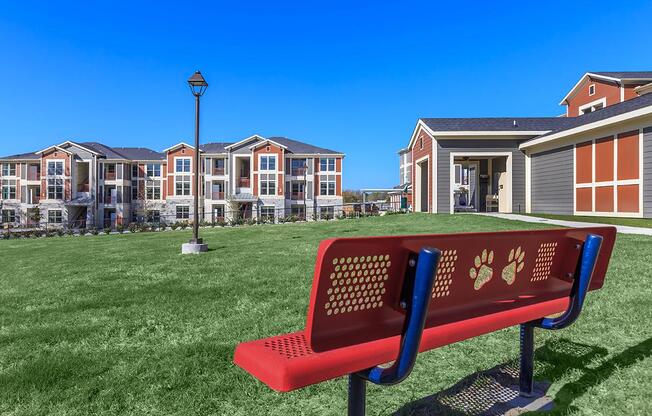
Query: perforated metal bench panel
[
  {"x": 287, "y": 362},
  {"x": 357, "y": 281}
]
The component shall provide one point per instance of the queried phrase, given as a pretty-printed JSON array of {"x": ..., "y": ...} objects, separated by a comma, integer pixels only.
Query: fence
[{"x": 256, "y": 215}]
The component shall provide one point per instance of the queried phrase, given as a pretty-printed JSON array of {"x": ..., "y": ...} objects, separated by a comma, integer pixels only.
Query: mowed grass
[{"x": 125, "y": 325}]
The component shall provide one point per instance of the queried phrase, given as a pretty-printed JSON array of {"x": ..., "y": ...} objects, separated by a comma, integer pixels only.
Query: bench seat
[{"x": 286, "y": 362}]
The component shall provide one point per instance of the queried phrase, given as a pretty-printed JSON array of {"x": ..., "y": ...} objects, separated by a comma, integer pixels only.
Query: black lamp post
[{"x": 198, "y": 86}]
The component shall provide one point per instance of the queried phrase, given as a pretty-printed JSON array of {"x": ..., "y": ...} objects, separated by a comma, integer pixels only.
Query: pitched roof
[
  {"x": 516, "y": 124},
  {"x": 626, "y": 74},
  {"x": 216, "y": 147},
  {"x": 22, "y": 156},
  {"x": 103, "y": 150},
  {"x": 139, "y": 153},
  {"x": 292, "y": 146},
  {"x": 603, "y": 113},
  {"x": 295, "y": 146}
]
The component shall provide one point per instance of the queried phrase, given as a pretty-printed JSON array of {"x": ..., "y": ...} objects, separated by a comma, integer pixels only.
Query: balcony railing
[
  {"x": 109, "y": 176},
  {"x": 297, "y": 196},
  {"x": 33, "y": 175},
  {"x": 83, "y": 187},
  {"x": 244, "y": 182},
  {"x": 34, "y": 199},
  {"x": 110, "y": 200},
  {"x": 298, "y": 171},
  {"x": 217, "y": 195},
  {"x": 218, "y": 171}
]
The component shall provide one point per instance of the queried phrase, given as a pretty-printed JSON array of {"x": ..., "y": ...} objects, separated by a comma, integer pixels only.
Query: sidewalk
[{"x": 526, "y": 218}]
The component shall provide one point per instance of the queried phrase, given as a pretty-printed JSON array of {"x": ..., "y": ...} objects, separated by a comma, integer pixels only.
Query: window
[
  {"x": 153, "y": 189},
  {"x": 268, "y": 184},
  {"x": 183, "y": 212},
  {"x": 110, "y": 173},
  {"x": 298, "y": 167},
  {"x": 182, "y": 165},
  {"x": 55, "y": 216},
  {"x": 267, "y": 213},
  {"x": 327, "y": 164},
  {"x": 134, "y": 191},
  {"x": 458, "y": 174},
  {"x": 182, "y": 185},
  {"x": 8, "y": 216},
  {"x": 298, "y": 211},
  {"x": 592, "y": 89},
  {"x": 154, "y": 216},
  {"x": 421, "y": 143},
  {"x": 55, "y": 188},
  {"x": 134, "y": 171},
  {"x": 327, "y": 212},
  {"x": 593, "y": 106},
  {"x": 55, "y": 168},
  {"x": 268, "y": 163},
  {"x": 8, "y": 189},
  {"x": 153, "y": 170},
  {"x": 218, "y": 212},
  {"x": 327, "y": 185},
  {"x": 218, "y": 166},
  {"x": 8, "y": 169}
]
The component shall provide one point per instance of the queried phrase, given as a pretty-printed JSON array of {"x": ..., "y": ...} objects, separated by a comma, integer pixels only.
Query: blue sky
[{"x": 350, "y": 76}]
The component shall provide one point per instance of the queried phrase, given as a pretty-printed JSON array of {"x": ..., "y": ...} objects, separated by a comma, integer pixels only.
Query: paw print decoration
[
  {"x": 514, "y": 266},
  {"x": 481, "y": 272}
]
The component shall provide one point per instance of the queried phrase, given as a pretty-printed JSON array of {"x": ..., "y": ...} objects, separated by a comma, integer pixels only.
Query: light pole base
[{"x": 194, "y": 248}]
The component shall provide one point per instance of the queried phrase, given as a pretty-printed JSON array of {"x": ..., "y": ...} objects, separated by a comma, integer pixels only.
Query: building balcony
[
  {"x": 33, "y": 176},
  {"x": 217, "y": 196},
  {"x": 218, "y": 171},
  {"x": 297, "y": 196},
  {"x": 109, "y": 176},
  {"x": 244, "y": 182},
  {"x": 83, "y": 187},
  {"x": 298, "y": 171}
]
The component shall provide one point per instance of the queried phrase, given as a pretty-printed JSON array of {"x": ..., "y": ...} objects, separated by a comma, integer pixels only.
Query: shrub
[
  {"x": 94, "y": 231},
  {"x": 70, "y": 232},
  {"x": 221, "y": 223},
  {"x": 120, "y": 228},
  {"x": 184, "y": 225},
  {"x": 107, "y": 230},
  {"x": 236, "y": 221},
  {"x": 175, "y": 225},
  {"x": 61, "y": 232},
  {"x": 133, "y": 227}
]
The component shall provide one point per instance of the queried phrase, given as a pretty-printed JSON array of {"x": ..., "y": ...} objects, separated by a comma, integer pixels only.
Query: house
[
  {"x": 594, "y": 160},
  {"x": 89, "y": 183}
]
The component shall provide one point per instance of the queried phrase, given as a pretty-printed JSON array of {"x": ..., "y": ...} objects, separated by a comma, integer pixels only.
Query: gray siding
[
  {"x": 444, "y": 149},
  {"x": 552, "y": 181},
  {"x": 647, "y": 172}
]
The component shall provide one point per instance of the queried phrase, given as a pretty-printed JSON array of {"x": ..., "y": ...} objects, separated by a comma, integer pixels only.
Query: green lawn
[
  {"x": 632, "y": 222},
  {"x": 124, "y": 325}
]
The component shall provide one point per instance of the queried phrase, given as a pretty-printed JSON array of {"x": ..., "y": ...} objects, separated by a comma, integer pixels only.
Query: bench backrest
[{"x": 358, "y": 282}]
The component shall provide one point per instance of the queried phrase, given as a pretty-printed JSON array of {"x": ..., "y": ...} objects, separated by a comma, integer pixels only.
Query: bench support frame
[
  {"x": 416, "y": 306},
  {"x": 581, "y": 282}
]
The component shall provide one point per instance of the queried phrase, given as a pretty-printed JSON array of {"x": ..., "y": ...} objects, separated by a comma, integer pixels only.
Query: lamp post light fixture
[{"x": 198, "y": 86}]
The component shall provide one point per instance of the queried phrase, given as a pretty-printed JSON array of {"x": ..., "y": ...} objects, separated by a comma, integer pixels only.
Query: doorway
[{"x": 422, "y": 186}]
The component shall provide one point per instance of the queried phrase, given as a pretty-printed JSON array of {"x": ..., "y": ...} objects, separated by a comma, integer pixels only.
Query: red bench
[{"x": 380, "y": 299}]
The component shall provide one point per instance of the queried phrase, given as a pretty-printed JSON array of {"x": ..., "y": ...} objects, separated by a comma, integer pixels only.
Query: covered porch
[{"x": 481, "y": 182}]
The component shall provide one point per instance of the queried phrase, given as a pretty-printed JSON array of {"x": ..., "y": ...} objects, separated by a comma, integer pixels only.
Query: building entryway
[
  {"x": 421, "y": 186},
  {"x": 481, "y": 182}
]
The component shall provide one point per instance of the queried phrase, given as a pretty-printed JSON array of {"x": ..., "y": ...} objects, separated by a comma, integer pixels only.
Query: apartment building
[
  {"x": 595, "y": 159},
  {"x": 90, "y": 183}
]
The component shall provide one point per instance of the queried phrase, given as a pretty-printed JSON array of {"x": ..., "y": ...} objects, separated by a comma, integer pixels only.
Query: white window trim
[
  {"x": 581, "y": 108},
  {"x": 160, "y": 175},
  {"x": 327, "y": 174},
  {"x": 327, "y": 170},
  {"x": 47, "y": 168},
  {"x": 591, "y": 93},
  {"x": 175, "y": 165},
  {"x": 175, "y": 185},
  {"x": 16, "y": 186},
  {"x": 16, "y": 167},
  {"x": 267, "y": 155},
  {"x": 613, "y": 183},
  {"x": 176, "y": 212}
]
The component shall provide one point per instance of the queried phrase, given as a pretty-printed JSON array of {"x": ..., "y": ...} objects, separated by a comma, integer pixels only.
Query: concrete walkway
[{"x": 625, "y": 229}]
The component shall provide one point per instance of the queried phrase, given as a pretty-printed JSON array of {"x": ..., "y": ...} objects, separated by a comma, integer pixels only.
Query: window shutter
[
  {"x": 310, "y": 165},
  {"x": 23, "y": 194},
  {"x": 309, "y": 190}
]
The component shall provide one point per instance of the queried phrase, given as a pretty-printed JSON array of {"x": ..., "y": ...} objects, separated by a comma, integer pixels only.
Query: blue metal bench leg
[
  {"x": 357, "y": 395},
  {"x": 526, "y": 375}
]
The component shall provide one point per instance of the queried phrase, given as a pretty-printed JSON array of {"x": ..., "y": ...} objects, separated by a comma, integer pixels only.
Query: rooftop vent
[{"x": 515, "y": 123}]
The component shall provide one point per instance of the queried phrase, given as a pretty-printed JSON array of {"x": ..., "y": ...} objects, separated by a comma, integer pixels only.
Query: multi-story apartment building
[
  {"x": 90, "y": 183},
  {"x": 596, "y": 159}
]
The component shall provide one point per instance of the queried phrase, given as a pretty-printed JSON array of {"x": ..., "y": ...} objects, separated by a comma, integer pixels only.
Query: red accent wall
[
  {"x": 67, "y": 158},
  {"x": 183, "y": 151},
  {"x": 610, "y": 91},
  {"x": 604, "y": 159},
  {"x": 584, "y": 162},
  {"x": 628, "y": 157},
  {"x": 417, "y": 153},
  {"x": 269, "y": 149}
]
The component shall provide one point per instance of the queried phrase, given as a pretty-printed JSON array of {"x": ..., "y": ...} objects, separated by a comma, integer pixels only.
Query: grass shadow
[{"x": 495, "y": 391}]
